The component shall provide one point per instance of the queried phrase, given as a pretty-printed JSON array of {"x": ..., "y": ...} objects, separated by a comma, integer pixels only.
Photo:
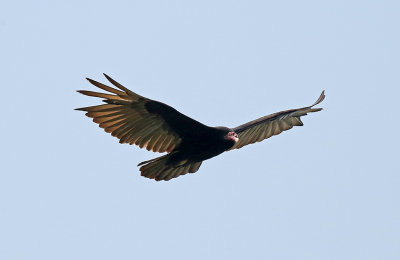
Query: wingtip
[
  {"x": 118, "y": 85},
  {"x": 111, "y": 80},
  {"x": 84, "y": 92},
  {"x": 320, "y": 99},
  {"x": 107, "y": 77},
  {"x": 93, "y": 82}
]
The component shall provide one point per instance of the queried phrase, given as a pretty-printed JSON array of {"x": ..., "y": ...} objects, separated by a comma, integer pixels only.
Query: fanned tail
[{"x": 161, "y": 169}]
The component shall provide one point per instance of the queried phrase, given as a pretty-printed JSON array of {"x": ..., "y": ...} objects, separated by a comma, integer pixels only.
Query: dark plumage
[{"x": 153, "y": 125}]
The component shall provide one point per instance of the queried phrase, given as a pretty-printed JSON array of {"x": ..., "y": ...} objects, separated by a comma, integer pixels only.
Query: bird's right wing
[
  {"x": 274, "y": 124},
  {"x": 134, "y": 119}
]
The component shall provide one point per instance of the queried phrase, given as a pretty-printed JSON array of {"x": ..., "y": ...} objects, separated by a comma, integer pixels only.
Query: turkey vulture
[{"x": 153, "y": 125}]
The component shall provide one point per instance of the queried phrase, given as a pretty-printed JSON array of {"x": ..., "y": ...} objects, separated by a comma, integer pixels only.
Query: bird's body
[
  {"x": 197, "y": 144},
  {"x": 207, "y": 145},
  {"x": 158, "y": 127}
]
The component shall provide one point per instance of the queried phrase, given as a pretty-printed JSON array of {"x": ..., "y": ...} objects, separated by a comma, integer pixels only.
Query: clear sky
[{"x": 327, "y": 190}]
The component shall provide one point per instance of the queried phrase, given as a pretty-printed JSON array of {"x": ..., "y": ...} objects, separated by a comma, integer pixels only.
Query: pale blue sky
[{"x": 327, "y": 190}]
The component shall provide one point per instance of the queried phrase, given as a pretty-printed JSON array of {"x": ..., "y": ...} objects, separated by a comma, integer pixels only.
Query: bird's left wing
[
  {"x": 134, "y": 119},
  {"x": 274, "y": 124}
]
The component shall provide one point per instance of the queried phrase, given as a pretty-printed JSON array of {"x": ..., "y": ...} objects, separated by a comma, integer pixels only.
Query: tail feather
[
  {"x": 194, "y": 167},
  {"x": 153, "y": 160},
  {"x": 160, "y": 169}
]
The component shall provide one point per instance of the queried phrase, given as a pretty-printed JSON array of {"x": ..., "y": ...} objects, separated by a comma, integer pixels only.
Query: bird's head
[{"x": 232, "y": 136}]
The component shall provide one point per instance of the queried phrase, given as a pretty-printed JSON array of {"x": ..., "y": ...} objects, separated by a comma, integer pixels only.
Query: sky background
[{"x": 327, "y": 190}]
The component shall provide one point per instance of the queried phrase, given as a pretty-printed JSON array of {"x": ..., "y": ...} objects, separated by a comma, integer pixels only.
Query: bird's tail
[{"x": 161, "y": 168}]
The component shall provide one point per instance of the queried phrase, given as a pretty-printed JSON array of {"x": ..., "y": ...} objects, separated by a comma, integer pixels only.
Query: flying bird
[{"x": 153, "y": 125}]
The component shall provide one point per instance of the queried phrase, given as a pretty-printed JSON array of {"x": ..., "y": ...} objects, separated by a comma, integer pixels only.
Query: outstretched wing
[
  {"x": 134, "y": 119},
  {"x": 274, "y": 124}
]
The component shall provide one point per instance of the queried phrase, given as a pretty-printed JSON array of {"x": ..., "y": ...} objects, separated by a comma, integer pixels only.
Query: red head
[{"x": 232, "y": 136}]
